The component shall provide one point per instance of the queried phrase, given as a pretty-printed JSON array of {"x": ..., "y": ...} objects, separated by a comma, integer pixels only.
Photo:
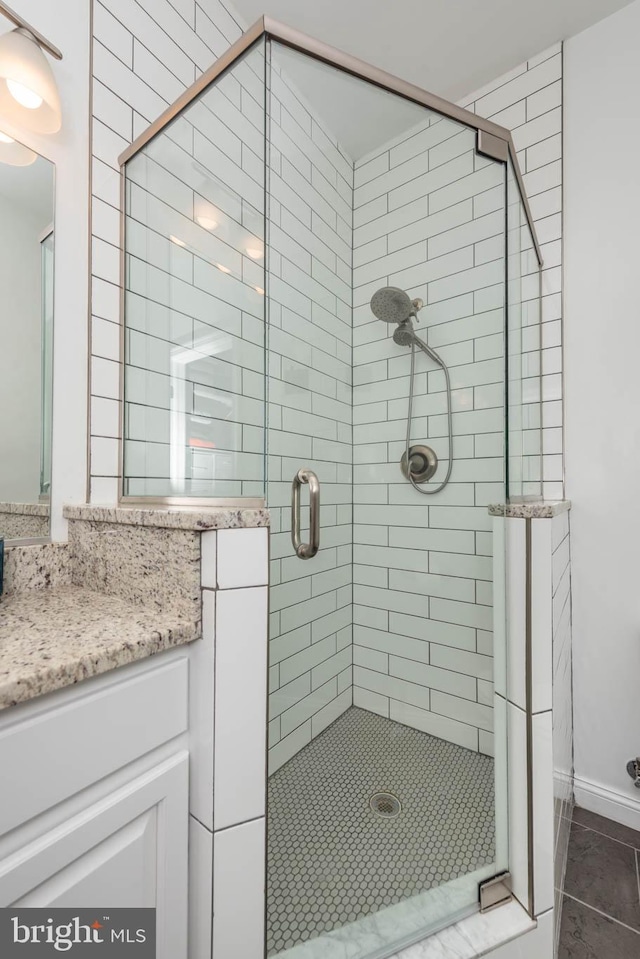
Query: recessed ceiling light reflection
[
  {"x": 177, "y": 240},
  {"x": 259, "y": 290},
  {"x": 207, "y": 222},
  {"x": 223, "y": 269},
  {"x": 255, "y": 252}
]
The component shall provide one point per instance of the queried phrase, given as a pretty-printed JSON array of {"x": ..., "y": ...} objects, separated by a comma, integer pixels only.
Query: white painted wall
[
  {"x": 602, "y": 347},
  {"x": 66, "y": 24}
]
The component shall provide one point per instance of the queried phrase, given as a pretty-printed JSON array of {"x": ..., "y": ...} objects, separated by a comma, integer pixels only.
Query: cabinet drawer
[{"x": 49, "y": 753}]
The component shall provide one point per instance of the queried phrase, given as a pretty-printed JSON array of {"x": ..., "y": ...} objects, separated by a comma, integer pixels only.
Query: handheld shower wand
[{"x": 393, "y": 305}]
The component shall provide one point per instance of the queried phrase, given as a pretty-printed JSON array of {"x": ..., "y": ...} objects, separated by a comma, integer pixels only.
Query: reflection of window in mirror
[{"x": 26, "y": 340}]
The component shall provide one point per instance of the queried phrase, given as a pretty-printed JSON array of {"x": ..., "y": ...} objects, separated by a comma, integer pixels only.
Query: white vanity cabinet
[{"x": 94, "y": 796}]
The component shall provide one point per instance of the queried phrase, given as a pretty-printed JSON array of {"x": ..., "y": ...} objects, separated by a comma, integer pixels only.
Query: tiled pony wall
[{"x": 562, "y": 700}]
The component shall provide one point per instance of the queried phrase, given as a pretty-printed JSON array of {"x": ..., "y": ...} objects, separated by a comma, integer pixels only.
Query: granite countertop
[
  {"x": 25, "y": 509},
  {"x": 51, "y": 638},
  {"x": 173, "y": 517},
  {"x": 531, "y": 510}
]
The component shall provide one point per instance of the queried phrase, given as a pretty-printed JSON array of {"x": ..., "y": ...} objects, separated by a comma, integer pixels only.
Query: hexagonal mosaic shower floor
[{"x": 332, "y": 859}]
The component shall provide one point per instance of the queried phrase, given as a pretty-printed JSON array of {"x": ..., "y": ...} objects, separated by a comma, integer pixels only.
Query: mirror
[{"x": 26, "y": 339}]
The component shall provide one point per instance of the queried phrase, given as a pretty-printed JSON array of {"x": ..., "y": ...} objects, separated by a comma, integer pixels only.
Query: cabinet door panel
[
  {"x": 129, "y": 849},
  {"x": 118, "y": 872}
]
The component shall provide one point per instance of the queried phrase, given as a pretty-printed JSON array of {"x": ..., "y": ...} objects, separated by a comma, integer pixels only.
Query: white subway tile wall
[
  {"x": 309, "y": 413},
  {"x": 429, "y": 217},
  {"x": 145, "y": 54},
  {"x": 194, "y": 297},
  {"x": 528, "y": 101}
]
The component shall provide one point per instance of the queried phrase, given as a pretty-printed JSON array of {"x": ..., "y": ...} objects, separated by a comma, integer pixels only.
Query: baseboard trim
[{"x": 606, "y": 802}]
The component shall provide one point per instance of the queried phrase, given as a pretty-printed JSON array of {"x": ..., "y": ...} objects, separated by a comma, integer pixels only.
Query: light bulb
[
  {"x": 177, "y": 240},
  {"x": 207, "y": 222},
  {"x": 224, "y": 269},
  {"x": 25, "y": 97},
  {"x": 255, "y": 252},
  {"x": 5, "y": 139}
]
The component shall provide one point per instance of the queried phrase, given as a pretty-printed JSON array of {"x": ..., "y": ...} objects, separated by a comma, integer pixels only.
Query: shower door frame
[{"x": 492, "y": 140}]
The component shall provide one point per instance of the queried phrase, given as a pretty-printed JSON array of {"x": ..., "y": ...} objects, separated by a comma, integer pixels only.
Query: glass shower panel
[
  {"x": 524, "y": 431},
  {"x": 195, "y": 297},
  {"x": 387, "y": 759}
]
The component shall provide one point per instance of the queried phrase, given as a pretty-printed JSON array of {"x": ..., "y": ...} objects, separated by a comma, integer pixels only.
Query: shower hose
[{"x": 434, "y": 356}]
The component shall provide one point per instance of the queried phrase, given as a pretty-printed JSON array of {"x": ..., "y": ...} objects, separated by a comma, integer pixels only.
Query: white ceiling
[
  {"x": 449, "y": 47},
  {"x": 361, "y": 117}
]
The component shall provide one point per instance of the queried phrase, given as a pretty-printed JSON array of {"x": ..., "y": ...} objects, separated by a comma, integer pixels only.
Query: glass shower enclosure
[{"x": 327, "y": 269}]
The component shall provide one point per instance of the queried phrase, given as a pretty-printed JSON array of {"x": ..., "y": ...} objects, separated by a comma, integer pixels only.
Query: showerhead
[
  {"x": 404, "y": 335},
  {"x": 391, "y": 304}
]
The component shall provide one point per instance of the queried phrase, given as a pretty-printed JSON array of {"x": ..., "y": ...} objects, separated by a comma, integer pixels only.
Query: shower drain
[{"x": 385, "y": 805}]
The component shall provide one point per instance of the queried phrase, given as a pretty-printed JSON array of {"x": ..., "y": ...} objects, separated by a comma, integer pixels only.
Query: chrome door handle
[{"x": 305, "y": 550}]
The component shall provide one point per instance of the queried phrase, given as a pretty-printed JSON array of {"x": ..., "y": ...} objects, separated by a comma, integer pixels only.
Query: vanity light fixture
[
  {"x": 28, "y": 93},
  {"x": 13, "y": 153}
]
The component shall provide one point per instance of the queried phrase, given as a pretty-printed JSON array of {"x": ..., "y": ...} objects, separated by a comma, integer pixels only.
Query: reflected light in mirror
[
  {"x": 15, "y": 154},
  {"x": 255, "y": 252},
  {"x": 259, "y": 290},
  {"x": 224, "y": 269},
  {"x": 177, "y": 240}
]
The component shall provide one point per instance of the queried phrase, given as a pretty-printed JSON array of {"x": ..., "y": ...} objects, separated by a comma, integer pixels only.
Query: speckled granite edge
[
  {"x": 538, "y": 510},
  {"x": 173, "y": 518},
  {"x": 36, "y": 567},
  {"x": 147, "y": 566},
  {"x": 26, "y": 509},
  {"x": 50, "y": 639}
]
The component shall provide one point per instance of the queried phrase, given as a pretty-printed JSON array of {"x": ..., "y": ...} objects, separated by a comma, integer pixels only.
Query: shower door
[{"x": 387, "y": 744}]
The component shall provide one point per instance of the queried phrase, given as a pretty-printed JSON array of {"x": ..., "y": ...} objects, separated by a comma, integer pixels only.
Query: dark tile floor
[{"x": 601, "y": 908}]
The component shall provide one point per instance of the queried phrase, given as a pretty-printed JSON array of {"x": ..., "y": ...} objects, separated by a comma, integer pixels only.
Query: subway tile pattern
[
  {"x": 144, "y": 55},
  {"x": 528, "y": 101},
  {"x": 429, "y": 216},
  {"x": 194, "y": 297},
  {"x": 310, "y": 416},
  {"x": 227, "y": 703}
]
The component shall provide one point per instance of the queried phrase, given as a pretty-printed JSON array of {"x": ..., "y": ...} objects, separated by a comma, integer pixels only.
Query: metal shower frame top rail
[{"x": 493, "y": 140}]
